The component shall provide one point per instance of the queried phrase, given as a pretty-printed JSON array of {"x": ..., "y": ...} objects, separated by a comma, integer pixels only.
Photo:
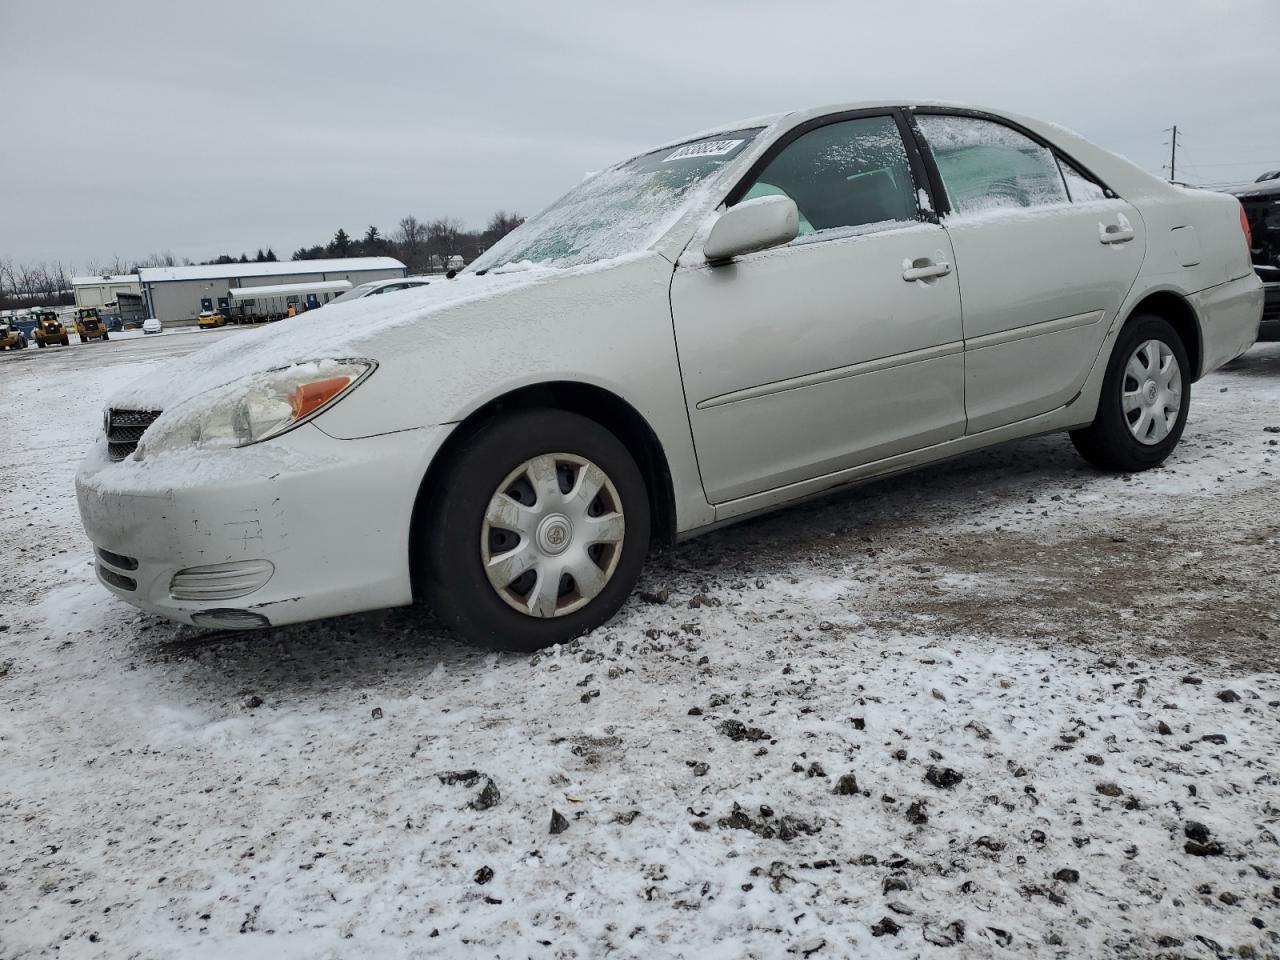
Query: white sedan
[
  {"x": 151, "y": 325},
  {"x": 722, "y": 326},
  {"x": 375, "y": 288}
]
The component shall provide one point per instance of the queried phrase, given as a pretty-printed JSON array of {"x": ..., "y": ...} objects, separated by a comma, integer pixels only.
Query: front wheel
[
  {"x": 1144, "y": 402},
  {"x": 106, "y": 336},
  {"x": 537, "y": 533}
]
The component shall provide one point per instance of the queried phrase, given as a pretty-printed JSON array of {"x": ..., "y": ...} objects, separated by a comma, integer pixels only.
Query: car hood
[{"x": 336, "y": 331}]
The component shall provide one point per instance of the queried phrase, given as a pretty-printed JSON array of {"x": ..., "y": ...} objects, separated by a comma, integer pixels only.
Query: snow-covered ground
[{"x": 1003, "y": 707}]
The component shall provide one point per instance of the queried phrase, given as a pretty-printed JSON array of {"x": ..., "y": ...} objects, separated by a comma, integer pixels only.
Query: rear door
[{"x": 1045, "y": 257}]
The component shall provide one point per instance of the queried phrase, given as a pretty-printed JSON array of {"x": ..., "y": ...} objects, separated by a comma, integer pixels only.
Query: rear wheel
[
  {"x": 1144, "y": 402},
  {"x": 106, "y": 336},
  {"x": 40, "y": 344},
  {"x": 538, "y": 531}
]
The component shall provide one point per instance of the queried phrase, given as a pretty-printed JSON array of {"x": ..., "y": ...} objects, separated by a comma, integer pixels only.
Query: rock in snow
[{"x": 558, "y": 823}]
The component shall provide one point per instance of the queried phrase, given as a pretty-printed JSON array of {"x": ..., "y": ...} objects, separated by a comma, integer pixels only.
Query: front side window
[
  {"x": 851, "y": 173},
  {"x": 987, "y": 166}
]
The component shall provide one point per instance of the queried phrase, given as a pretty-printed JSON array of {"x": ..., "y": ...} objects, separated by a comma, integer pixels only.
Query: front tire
[
  {"x": 537, "y": 532},
  {"x": 1145, "y": 397}
]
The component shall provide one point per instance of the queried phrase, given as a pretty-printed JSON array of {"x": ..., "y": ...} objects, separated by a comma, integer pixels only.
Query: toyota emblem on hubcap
[{"x": 554, "y": 534}]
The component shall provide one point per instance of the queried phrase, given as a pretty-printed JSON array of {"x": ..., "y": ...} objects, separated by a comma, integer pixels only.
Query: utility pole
[{"x": 1173, "y": 152}]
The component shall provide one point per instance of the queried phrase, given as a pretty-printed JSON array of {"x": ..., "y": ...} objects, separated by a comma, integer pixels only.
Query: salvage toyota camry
[{"x": 711, "y": 329}]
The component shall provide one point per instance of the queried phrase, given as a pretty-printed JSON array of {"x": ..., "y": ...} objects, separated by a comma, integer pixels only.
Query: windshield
[{"x": 620, "y": 210}]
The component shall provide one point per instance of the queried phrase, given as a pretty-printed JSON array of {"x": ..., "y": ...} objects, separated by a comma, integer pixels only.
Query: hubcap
[
  {"x": 1151, "y": 393},
  {"x": 552, "y": 535}
]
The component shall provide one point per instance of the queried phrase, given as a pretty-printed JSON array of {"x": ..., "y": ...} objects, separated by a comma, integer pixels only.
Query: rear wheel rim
[
  {"x": 552, "y": 535},
  {"x": 1151, "y": 392}
]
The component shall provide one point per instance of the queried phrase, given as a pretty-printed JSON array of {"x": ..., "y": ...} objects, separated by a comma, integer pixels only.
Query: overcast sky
[{"x": 220, "y": 127}]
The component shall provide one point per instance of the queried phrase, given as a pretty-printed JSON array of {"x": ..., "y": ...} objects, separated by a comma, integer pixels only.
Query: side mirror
[{"x": 752, "y": 225}]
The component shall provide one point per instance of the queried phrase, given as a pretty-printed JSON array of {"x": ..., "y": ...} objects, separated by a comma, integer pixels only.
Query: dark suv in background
[{"x": 1261, "y": 203}]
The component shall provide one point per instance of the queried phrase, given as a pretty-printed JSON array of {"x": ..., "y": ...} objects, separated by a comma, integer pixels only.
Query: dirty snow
[{"x": 1001, "y": 707}]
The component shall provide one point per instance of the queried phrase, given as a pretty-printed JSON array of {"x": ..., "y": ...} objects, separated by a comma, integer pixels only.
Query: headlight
[{"x": 255, "y": 408}]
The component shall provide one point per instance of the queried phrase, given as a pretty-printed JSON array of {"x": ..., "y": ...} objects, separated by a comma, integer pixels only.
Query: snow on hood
[{"x": 335, "y": 331}]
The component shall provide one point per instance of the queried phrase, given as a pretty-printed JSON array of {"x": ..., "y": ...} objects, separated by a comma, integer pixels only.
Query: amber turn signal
[{"x": 312, "y": 396}]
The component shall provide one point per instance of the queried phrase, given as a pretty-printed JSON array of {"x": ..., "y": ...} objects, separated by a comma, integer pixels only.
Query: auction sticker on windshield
[{"x": 708, "y": 148}]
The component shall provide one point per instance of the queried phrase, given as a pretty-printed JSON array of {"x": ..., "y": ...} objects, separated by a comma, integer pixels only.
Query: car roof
[{"x": 1267, "y": 188}]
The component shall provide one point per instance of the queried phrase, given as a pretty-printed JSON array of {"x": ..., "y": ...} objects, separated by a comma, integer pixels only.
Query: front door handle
[
  {"x": 1115, "y": 233},
  {"x": 923, "y": 268}
]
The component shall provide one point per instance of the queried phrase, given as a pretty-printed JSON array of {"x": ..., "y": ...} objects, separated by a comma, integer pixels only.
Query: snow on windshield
[{"x": 619, "y": 211}]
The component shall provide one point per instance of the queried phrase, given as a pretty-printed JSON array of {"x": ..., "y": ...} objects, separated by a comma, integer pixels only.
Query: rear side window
[
  {"x": 988, "y": 166},
  {"x": 851, "y": 173},
  {"x": 1080, "y": 187}
]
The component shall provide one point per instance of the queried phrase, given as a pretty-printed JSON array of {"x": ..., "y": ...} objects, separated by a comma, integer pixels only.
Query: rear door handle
[
  {"x": 925, "y": 269},
  {"x": 1115, "y": 233}
]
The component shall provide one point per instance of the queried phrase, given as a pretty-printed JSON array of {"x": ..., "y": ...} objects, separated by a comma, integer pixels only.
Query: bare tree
[
  {"x": 107, "y": 268},
  {"x": 442, "y": 239},
  {"x": 30, "y": 285},
  {"x": 500, "y": 224},
  {"x": 165, "y": 259},
  {"x": 410, "y": 240}
]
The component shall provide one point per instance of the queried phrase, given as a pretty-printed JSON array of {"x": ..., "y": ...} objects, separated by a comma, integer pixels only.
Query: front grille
[
  {"x": 117, "y": 580},
  {"x": 117, "y": 560},
  {"x": 125, "y": 428}
]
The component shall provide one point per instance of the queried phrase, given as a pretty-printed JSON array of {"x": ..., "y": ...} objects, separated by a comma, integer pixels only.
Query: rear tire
[
  {"x": 1136, "y": 426},
  {"x": 40, "y": 344},
  {"x": 561, "y": 499}
]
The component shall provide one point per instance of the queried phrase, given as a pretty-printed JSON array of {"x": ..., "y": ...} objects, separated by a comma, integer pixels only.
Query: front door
[
  {"x": 1045, "y": 258},
  {"x": 841, "y": 348}
]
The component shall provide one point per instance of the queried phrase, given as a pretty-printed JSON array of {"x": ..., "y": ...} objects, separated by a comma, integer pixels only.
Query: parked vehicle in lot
[
  {"x": 710, "y": 330},
  {"x": 11, "y": 337},
  {"x": 89, "y": 325},
  {"x": 378, "y": 287},
  {"x": 1261, "y": 202},
  {"x": 48, "y": 328},
  {"x": 209, "y": 319},
  {"x": 151, "y": 325}
]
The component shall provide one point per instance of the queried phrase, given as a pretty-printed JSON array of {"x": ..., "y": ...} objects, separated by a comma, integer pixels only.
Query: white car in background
[
  {"x": 719, "y": 327},
  {"x": 378, "y": 287},
  {"x": 151, "y": 325}
]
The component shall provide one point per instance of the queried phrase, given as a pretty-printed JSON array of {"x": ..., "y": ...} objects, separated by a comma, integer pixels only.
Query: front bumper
[{"x": 309, "y": 525}]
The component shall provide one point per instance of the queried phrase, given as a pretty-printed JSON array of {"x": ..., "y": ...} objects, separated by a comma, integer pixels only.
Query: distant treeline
[{"x": 420, "y": 245}]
